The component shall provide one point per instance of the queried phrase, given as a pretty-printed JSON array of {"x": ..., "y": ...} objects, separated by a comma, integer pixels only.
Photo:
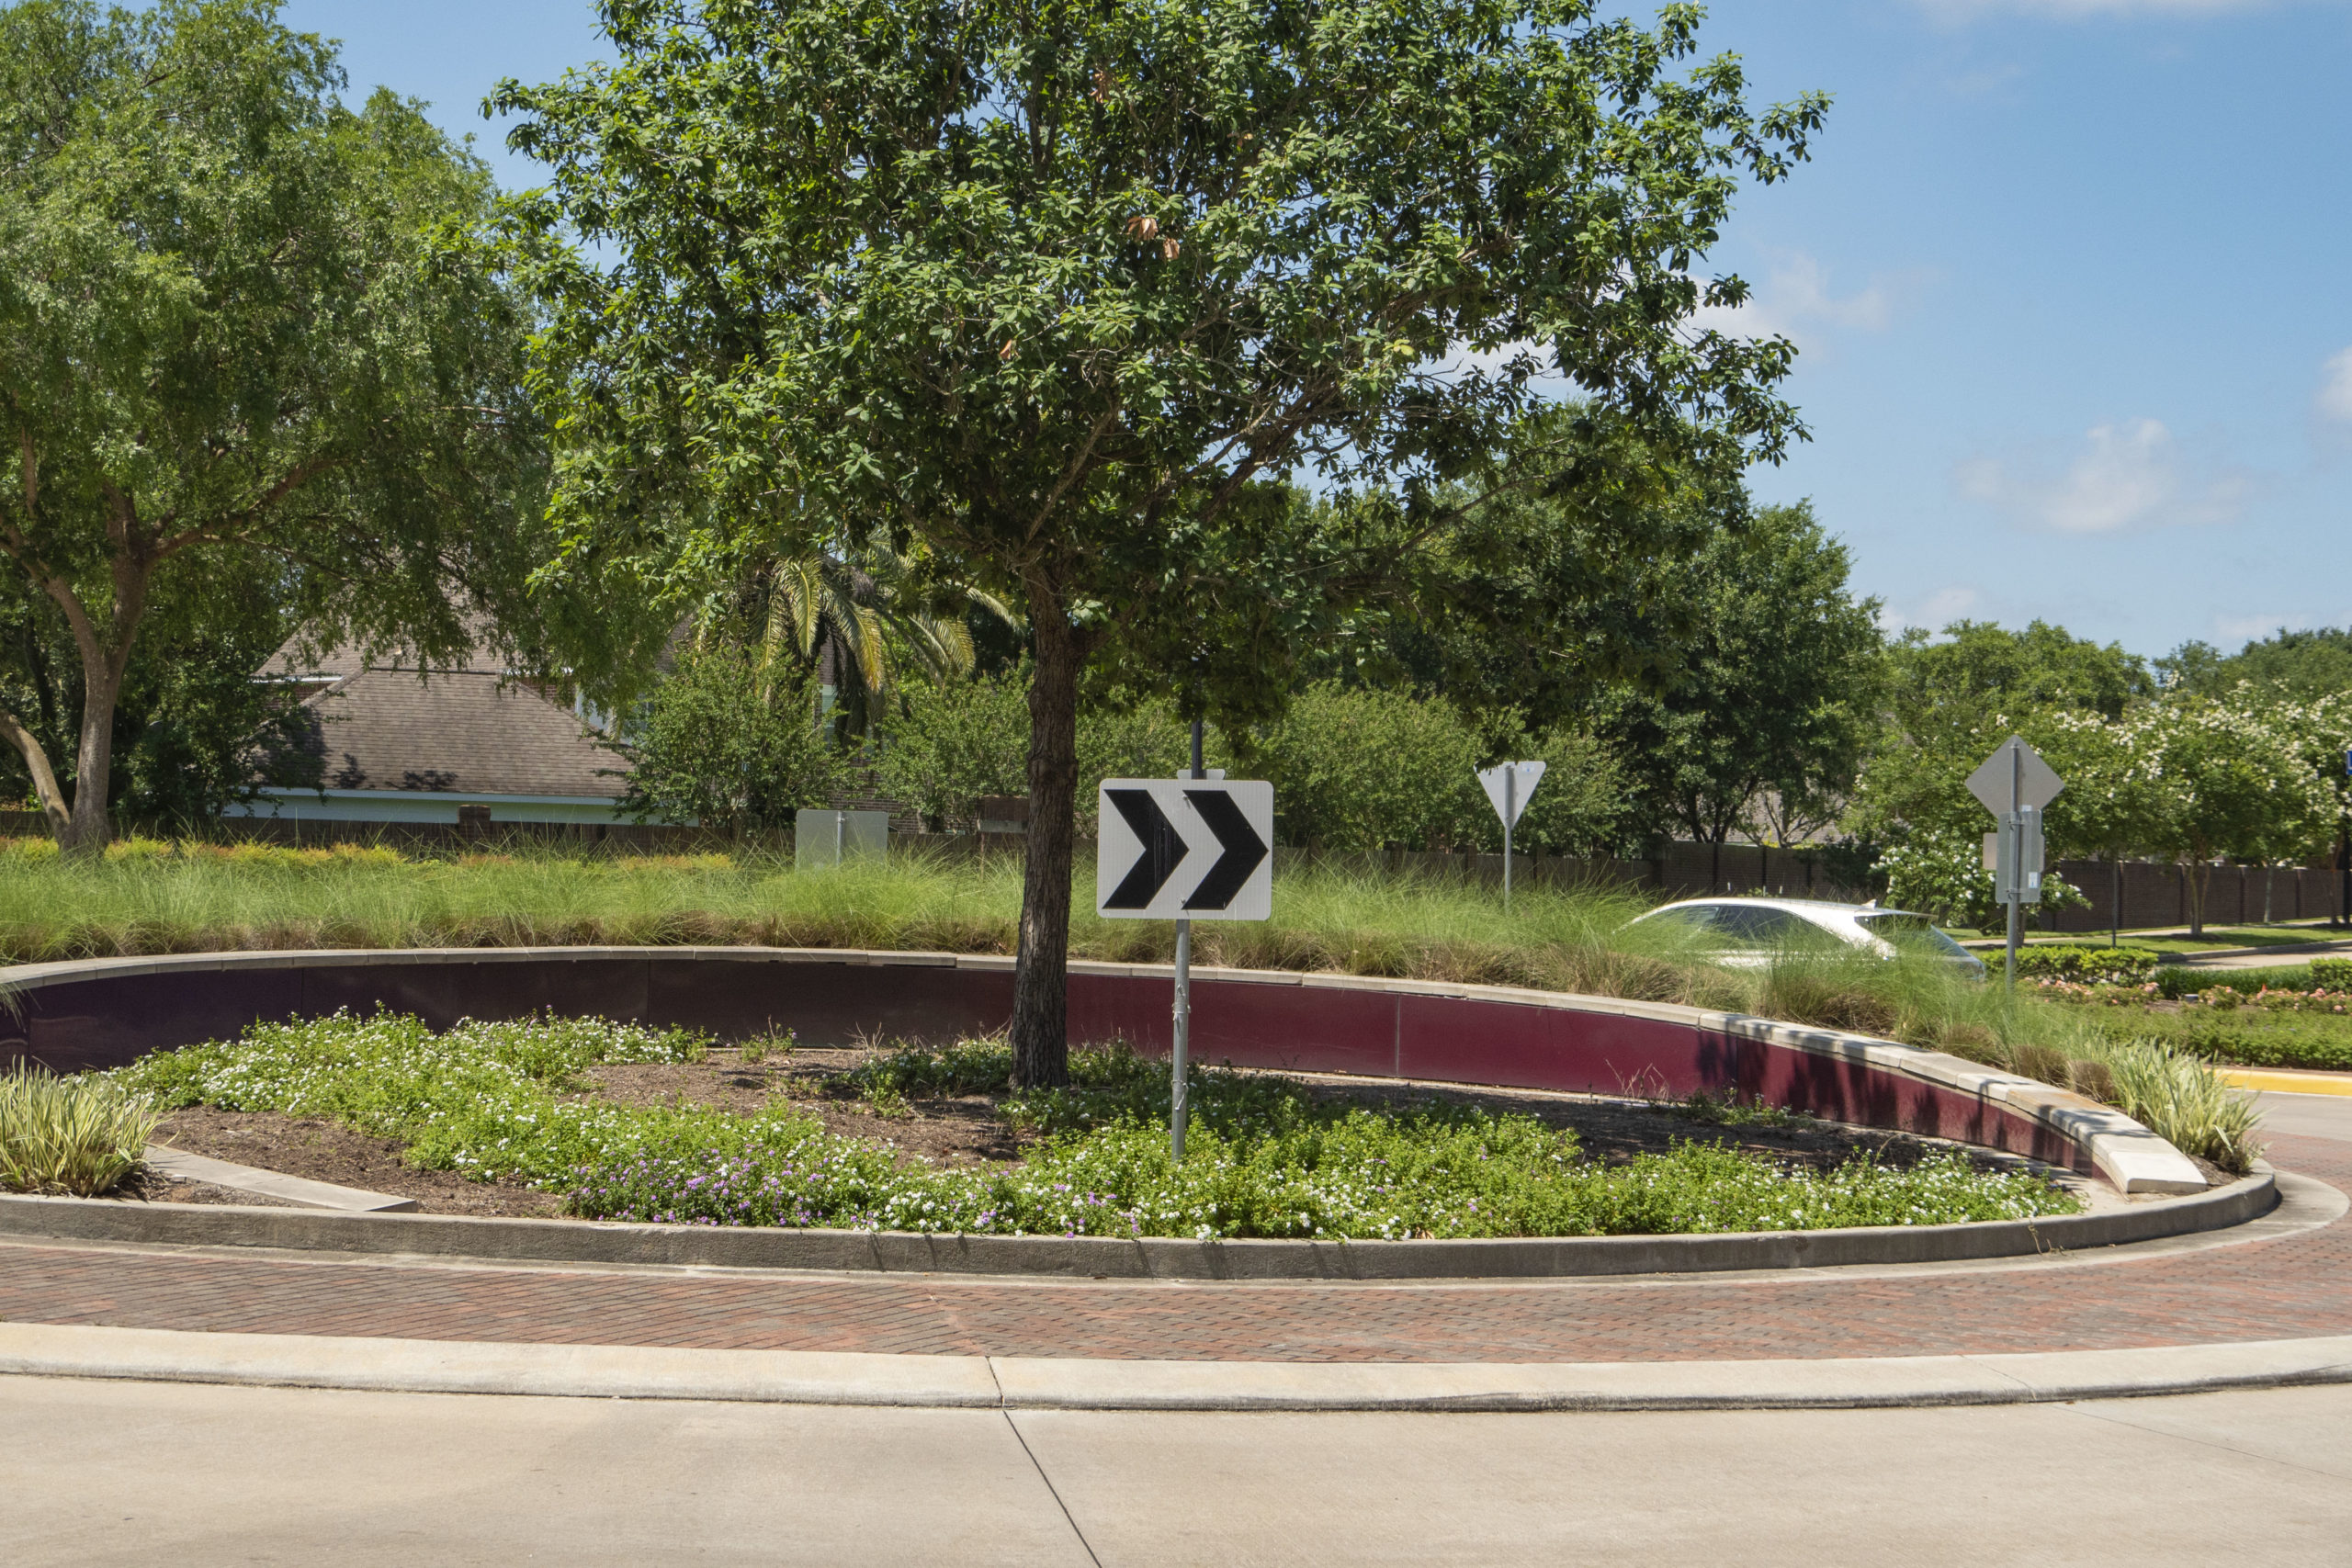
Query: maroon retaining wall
[{"x": 108, "y": 1011}]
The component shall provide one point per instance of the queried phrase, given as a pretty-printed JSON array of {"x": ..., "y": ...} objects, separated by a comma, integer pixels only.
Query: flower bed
[{"x": 1266, "y": 1157}]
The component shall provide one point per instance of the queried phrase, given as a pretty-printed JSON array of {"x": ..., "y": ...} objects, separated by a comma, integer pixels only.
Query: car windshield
[{"x": 1911, "y": 930}]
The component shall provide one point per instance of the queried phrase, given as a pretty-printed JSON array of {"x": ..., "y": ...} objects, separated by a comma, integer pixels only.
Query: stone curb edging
[
  {"x": 578, "y": 1241},
  {"x": 800, "y": 1377}
]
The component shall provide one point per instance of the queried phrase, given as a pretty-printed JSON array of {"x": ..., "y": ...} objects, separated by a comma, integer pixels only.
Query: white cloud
[
  {"x": 2335, "y": 398},
  {"x": 2129, "y": 475},
  {"x": 1796, "y": 302}
]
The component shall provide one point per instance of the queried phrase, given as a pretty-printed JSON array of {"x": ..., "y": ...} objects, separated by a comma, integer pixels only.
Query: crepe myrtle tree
[
  {"x": 232, "y": 324},
  {"x": 1073, "y": 293}
]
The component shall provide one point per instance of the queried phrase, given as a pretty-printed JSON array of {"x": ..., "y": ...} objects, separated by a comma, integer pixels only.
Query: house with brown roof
[{"x": 475, "y": 742}]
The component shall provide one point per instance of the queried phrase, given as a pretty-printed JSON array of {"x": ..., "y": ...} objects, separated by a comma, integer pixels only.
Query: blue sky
[{"x": 2067, "y": 274}]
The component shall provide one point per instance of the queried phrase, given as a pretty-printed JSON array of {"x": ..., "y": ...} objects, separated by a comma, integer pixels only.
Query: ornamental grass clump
[{"x": 80, "y": 1135}]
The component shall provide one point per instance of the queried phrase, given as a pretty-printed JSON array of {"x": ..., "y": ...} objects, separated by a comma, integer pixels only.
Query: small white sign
[{"x": 1509, "y": 784}]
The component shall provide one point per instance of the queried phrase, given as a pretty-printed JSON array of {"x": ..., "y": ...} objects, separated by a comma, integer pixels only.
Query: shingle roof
[{"x": 471, "y": 732}]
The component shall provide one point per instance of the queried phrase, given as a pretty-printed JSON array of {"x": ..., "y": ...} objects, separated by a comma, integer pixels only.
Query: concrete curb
[
  {"x": 794, "y": 1376},
  {"x": 270, "y": 1184},
  {"x": 2285, "y": 1080},
  {"x": 577, "y": 1241}
]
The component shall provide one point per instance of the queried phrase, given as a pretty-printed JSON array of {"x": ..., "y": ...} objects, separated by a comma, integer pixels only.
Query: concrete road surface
[
  {"x": 2312, "y": 1116},
  {"x": 189, "y": 1475}
]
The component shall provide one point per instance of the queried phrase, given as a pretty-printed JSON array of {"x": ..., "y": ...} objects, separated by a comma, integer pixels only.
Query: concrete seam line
[
  {"x": 1532, "y": 1258},
  {"x": 789, "y": 1377}
]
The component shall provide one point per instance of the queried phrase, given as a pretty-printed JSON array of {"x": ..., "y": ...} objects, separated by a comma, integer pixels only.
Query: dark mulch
[{"x": 961, "y": 1130}]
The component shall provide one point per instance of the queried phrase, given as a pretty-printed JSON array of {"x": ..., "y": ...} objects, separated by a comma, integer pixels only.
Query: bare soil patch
[
  {"x": 964, "y": 1130},
  {"x": 321, "y": 1151}
]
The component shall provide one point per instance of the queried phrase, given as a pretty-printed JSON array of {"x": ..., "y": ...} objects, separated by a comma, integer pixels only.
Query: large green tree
[
  {"x": 1067, "y": 290},
  {"x": 1775, "y": 701},
  {"x": 234, "y": 324}
]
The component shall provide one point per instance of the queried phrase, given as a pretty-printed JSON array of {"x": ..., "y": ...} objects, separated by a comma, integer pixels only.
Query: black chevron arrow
[
  {"x": 1163, "y": 850},
  {"x": 1243, "y": 849}
]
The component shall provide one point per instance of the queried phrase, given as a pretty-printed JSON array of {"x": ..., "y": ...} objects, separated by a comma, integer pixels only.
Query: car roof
[{"x": 1794, "y": 906}]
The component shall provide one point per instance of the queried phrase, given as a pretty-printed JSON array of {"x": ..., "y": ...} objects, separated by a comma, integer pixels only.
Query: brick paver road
[{"x": 2290, "y": 1288}]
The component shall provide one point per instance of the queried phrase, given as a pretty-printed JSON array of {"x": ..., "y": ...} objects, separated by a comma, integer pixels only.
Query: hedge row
[{"x": 2086, "y": 965}]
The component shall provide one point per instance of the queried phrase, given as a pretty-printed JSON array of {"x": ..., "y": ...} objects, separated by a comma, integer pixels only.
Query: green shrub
[
  {"x": 2085, "y": 964},
  {"x": 1360, "y": 769},
  {"x": 945, "y": 744},
  {"x": 2248, "y": 1037},
  {"x": 728, "y": 744},
  {"x": 2175, "y": 981},
  {"x": 81, "y": 1135},
  {"x": 2335, "y": 973}
]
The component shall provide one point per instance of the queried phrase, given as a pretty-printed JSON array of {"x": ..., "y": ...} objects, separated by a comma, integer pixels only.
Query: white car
[{"x": 1745, "y": 933}]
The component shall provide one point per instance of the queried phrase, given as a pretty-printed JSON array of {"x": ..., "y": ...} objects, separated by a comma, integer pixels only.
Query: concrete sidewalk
[
  {"x": 136, "y": 1474},
  {"x": 1070, "y": 1383}
]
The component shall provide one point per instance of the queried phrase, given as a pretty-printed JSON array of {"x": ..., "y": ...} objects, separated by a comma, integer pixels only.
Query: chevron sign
[{"x": 1185, "y": 850}]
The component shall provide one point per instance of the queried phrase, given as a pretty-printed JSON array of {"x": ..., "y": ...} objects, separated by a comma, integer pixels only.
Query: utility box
[
  {"x": 821, "y": 840},
  {"x": 1001, "y": 813}
]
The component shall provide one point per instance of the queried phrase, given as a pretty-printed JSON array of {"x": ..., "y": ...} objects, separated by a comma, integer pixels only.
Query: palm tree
[{"x": 859, "y": 617}]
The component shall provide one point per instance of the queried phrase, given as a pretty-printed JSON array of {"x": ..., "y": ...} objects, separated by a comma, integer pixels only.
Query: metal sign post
[
  {"x": 2015, "y": 784},
  {"x": 1194, "y": 848},
  {"x": 1180, "y": 1035},
  {"x": 1509, "y": 784}
]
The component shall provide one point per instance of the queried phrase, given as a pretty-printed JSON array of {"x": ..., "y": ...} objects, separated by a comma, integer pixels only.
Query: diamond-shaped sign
[{"x": 2013, "y": 776}]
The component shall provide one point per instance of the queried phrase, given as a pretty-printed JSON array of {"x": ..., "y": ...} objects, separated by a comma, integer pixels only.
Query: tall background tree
[
  {"x": 1065, "y": 291},
  {"x": 1763, "y": 728},
  {"x": 236, "y": 323}
]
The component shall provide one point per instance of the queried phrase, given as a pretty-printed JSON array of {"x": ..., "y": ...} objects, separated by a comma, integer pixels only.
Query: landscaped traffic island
[{"x": 609, "y": 1121}]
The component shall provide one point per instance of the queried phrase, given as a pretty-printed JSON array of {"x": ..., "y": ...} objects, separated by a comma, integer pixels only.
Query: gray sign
[{"x": 2013, "y": 776}]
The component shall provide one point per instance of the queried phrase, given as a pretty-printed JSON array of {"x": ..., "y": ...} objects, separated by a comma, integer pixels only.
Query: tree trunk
[
  {"x": 52, "y": 800},
  {"x": 1041, "y": 975},
  {"x": 89, "y": 829},
  {"x": 2199, "y": 870}
]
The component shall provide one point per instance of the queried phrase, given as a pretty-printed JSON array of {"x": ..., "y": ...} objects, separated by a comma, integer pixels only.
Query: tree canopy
[
  {"x": 1776, "y": 701},
  {"x": 2302, "y": 664},
  {"x": 1069, "y": 292},
  {"x": 235, "y": 322}
]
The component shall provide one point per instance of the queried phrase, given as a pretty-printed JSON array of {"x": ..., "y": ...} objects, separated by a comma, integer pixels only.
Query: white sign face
[
  {"x": 2014, "y": 767},
  {"x": 1185, "y": 850},
  {"x": 1509, "y": 784}
]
